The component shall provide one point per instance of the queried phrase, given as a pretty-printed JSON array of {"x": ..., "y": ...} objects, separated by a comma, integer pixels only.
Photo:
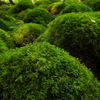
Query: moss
[
  {"x": 3, "y": 46},
  {"x": 22, "y": 14},
  {"x": 96, "y": 6},
  {"x": 27, "y": 33},
  {"x": 39, "y": 16},
  {"x": 78, "y": 34},
  {"x": 41, "y": 71},
  {"x": 5, "y": 7},
  {"x": 4, "y": 36},
  {"x": 56, "y": 8},
  {"x": 40, "y": 2},
  {"x": 74, "y": 7},
  {"x": 22, "y": 5}
]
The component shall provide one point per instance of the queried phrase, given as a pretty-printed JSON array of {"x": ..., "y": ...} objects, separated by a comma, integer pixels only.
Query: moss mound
[
  {"x": 6, "y": 38},
  {"x": 96, "y": 6},
  {"x": 72, "y": 1},
  {"x": 95, "y": 14},
  {"x": 39, "y": 16},
  {"x": 78, "y": 34},
  {"x": 56, "y": 8},
  {"x": 76, "y": 8},
  {"x": 41, "y": 2},
  {"x": 27, "y": 33},
  {"x": 3, "y": 46},
  {"x": 22, "y": 5},
  {"x": 22, "y": 14},
  {"x": 6, "y": 23},
  {"x": 3, "y": 25},
  {"x": 42, "y": 71},
  {"x": 5, "y": 7}
]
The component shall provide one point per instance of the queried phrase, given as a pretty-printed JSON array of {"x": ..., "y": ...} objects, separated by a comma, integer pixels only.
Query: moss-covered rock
[
  {"x": 22, "y": 5},
  {"x": 96, "y": 6},
  {"x": 78, "y": 34},
  {"x": 40, "y": 2},
  {"x": 76, "y": 8},
  {"x": 39, "y": 16},
  {"x": 57, "y": 7},
  {"x": 71, "y": 1},
  {"x": 42, "y": 71},
  {"x": 27, "y": 33},
  {"x": 4, "y": 36},
  {"x": 89, "y": 2},
  {"x": 22, "y": 14},
  {"x": 3, "y": 46},
  {"x": 5, "y": 7},
  {"x": 6, "y": 25}
]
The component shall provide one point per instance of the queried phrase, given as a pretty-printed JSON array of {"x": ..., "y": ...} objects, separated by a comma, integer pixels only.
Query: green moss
[
  {"x": 27, "y": 33},
  {"x": 56, "y": 8},
  {"x": 42, "y": 71},
  {"x": 40, "y": 2},
  {"x": 96, "y": 6},
  {"x": 39, "y": 16},
  {"x": 3, "y": 46},
  {"x": 5, "y": 7},
  {"x": 90, "y": 2},
  {"x": 4, "y": 36},
  {"x": 74, "y": 7},
  {"x": 78, "y": 34},
  {"x": 22, "y": 5},
  {"x": 22, "y": 14}
]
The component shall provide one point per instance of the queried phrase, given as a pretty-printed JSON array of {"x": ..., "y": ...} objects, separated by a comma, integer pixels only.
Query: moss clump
[
  {"x": 90, "y": 3},
  {"x": 56, "y": 8},
  {"x": 5, "y": 7},
  {"x": 39, "y": 16},
  {"x": 3, "y": 46},
  {"x": 6, "y": 38},
  {"x": 3, "y": 25},
  {"x": 6, "y": 25},
  {"x": 27, "y": 33},
  {"x": 41, "y": 71},
  {"x": 72, "y": 1},
  {"x": 96, "y": 6},
  {"x": 22, "y": 14},
  {"x": 76, "y": 8},
  {"x": 78, "y": 34},
  {"x": 41, "y": 2},
  {"x": 22, "y": 5}
]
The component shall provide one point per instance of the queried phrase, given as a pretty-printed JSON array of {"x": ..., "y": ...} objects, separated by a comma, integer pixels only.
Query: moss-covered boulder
[
  {"x": 4, "y": 36},
  {"x": 5, "y": 7},
  {"x": 3, "y": 25},
  {"x": 78, "y": 34},
  {"x": 57, "y": 7},
  {"x": 96, "y": 6},
  {"x": 41, "y": 2},
  {"x": 95, "y": 14},
  {"x": 74, "y": 7},
  {"x": 90, "y": 3},
  {"x": 71, "y": 1},
  {"x": 6, "y": 24},
  {"x": 22, "y": 5},
  {"x": 27, "y": 33},
  {"x": 42, "y": 71},
  {"x": 3, "y": 46},
  {"x": 39, "y": 16}
]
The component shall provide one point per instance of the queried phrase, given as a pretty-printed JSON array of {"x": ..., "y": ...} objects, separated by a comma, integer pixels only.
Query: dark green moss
[
  {"x": 22, "y": 5},
  {"x": 39, "y": 16},
  {"x": 74, "y": 7},
  {"x": 27, "y": 33},
  {"x": 78, "y": 34},
  {"x": 42, "y": 71}
]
